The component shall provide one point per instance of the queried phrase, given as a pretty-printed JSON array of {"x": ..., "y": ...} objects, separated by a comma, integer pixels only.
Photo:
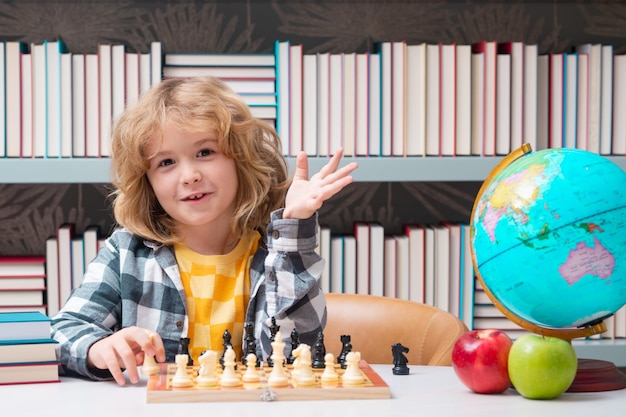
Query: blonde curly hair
[{"x": 195, "y": 104}]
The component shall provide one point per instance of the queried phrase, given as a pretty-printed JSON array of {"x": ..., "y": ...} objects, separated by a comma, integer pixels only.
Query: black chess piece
[
  {"x": 183, "y": 349},
  {"x": 399, "y": 360},
  {"x": 226, "y": 337},
  {"x": 346, "y": 347},
  {"x": 274, "y": 328},
  {"x": 250, "y": 345},
  {"x": 319, "y": 352},
  {"x": 295, "y": 341}
]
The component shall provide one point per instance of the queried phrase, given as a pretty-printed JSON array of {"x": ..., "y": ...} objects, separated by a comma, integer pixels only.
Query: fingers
[{"x": 302, "y": 166}]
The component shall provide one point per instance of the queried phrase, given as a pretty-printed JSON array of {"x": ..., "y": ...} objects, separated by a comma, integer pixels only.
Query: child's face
[{"x": 194, "y": 182}]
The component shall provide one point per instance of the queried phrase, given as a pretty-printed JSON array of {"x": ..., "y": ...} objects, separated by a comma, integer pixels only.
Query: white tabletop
[{"x": 426, "y": 391}]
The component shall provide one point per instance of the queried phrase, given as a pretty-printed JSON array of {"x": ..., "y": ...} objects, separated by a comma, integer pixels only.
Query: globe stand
[{"x": 593, "y": 375}]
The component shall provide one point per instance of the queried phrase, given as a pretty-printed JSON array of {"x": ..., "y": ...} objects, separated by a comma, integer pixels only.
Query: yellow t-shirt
[{"x": 217, "y": 289}]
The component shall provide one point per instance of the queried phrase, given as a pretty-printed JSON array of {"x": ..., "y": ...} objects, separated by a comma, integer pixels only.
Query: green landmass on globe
[{"x": 548, "y": 240}]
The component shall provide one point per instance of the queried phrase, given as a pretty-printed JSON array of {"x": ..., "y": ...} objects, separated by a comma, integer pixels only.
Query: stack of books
[
  {"x": 22, "y": 283},
  {"x": 251, "y": 75},
  {"x": 27, "y": 353}
]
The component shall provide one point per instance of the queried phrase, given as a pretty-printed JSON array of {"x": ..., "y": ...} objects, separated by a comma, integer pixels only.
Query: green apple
[{"x": 542, "y": 367}]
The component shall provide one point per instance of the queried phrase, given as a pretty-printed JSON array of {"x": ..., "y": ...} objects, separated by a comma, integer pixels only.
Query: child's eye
[
  {"x": 205, "y": 152},
  {"x": 166, "y": 162}
]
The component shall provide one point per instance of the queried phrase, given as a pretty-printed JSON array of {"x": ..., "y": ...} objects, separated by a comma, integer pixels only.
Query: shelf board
[{"x": 371, "y": 169}]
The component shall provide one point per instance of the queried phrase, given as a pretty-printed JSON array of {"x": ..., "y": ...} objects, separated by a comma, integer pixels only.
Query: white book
[
  {"x": 619, "y": 105},
  {"x": 432, "y": 100},
  {"x": 52, "y": 276},
  {"x": 390, "y": 273},
  {"x": 530, "y": 95},
  {"x": 268, "y": 73},
  {"x": 570, "y": 85},
  {"x": 66, "y": 135},
  {"x": 416, "y": 100},
  {"x": 323, "y": 104},
  {"x": 503, "y": 100},
  {"x": 282, "y": 89},
  {"x": 336, "y": 265},
  {"x": 361, "y": 234},
  {"x": 118, "y": 80},
  {"x": 463, "y": 98},
  {"x": 377, "y": 259},
  {"x": 53, "y": 97},
  {"x": 454, "y": 288},
  {"x": 243, "y": 86},
  {"x": 594, "y": 94},
  {"x": 27, "y": 106},
  {"x": 517, "y": 93},
  {"x": 490, "y": 48},
  {"x": 105, "y": 98},
  {"x": 619, "y": 323},
  {"x": 38, "y": 54},
  {"x": 131, "y": 78},
  {"x": 335, "y": 119},
  {"x": 91, "y": 236},
  {"x": 361, "y": 105},
  {"x": 253, "y": 59},
  {"x": 348, "y": 96},
  {"x": 156, "y": 63},
  {"x": 402, "y": 267},
  {"x": 447, "y": 101},
  {"x": 349, "y": 264},
  {"x": 3, "y": 139},
  {"x": 398, "y": 98},
  {"x": 13, "y": 97},
  {"x": 65, "y": 233},
  {"x": 78, "y": 261},
  {"x": 325, "y": 253},
  {"x": 92, "y": 114},
  {"x": 295, "y": 99},
  {"x": 606, "y": 97},
  {"x": 555, "y": 121},
  {"x": 145, "y": 68},
  {"x": 582, "y": 107},
  {"x": 442, "y": 267},
  {"x": 374, "y": 105},
  {"x": 309, "y": 104},
  {"x": 416, "y": 235},
  {"x": 429, "y": 265},
  {"x": 386, "y": 94},
  {"x": 478, "y": 104},
  {"x": 543, "y": 101}
]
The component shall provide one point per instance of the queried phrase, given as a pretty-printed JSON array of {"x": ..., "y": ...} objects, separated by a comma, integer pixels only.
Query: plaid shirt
[{"x": 133, "y": 282}]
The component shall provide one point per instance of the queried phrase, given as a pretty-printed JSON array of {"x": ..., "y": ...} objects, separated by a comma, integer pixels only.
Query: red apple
[{"x": 480, "y": 360}]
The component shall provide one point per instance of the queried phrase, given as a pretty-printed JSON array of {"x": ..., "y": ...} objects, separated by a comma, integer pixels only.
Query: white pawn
[
  {"x": 229, "y": 376},
  {"x": 278, "y": 377},
  {"x": 304, "y": 375},
  {"x": 353, "y": 375},
  {"x": 181, "y": 378},
  {"x": 207, "y": 375},
  {"x": 330, "y": 373},
  {"x": 250, "y": 375}
]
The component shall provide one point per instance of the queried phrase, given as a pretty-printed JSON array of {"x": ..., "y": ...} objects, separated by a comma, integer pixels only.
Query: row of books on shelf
[
  {"x": 27, "y": 352},
  {"x": 400, "y": 100}
]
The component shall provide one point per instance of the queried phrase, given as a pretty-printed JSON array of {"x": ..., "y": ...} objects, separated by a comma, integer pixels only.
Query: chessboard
[{"x": 160, "y": 389}]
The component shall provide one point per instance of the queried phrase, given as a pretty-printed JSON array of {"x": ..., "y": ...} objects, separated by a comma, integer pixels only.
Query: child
[{"x": 197, "y": 178}]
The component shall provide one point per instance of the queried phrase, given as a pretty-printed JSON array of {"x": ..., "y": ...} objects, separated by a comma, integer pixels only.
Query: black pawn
[
  {"x": 226, "y": 338},
  {"x": 295, "y": 341},
  {"x": 183, "y": 349},
  {"x": 346, "y": 347},
  {"x": 319, "y": 351},
  {"x": 274, "y": 328}
]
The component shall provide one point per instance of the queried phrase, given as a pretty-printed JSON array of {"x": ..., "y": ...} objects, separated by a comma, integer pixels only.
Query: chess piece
[
  {"x": 353, "y": 375},
  {"x": 181, "y": 378},
  {"x": 278, "y": 377},
  {"x": 304, "y": 375},
  {"x": 249, "y": 345},
  {"x": 330, "y": 373},
  {"x": 207, "y": 375},
  {"x": 251, "y": 374},
  {"x": 183, "y": 349},
  {"x": 295, "y": 341},
  {"x": 226, "y": 343},
  {"x": 274, "y": 328},
  {"x": 319, "y": 352},
  {"x": 346, "y": 347},
  {"x": 149, "y": 366},
  {"x": 229, "y": 375},
  {"x": 399, "y": 360}
]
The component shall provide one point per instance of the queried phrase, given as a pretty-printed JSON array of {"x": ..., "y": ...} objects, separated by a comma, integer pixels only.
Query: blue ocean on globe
[{"x": 549, "y": 237}]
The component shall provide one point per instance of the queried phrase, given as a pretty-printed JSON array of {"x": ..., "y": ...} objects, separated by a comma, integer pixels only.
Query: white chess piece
[
  {"x": 353, "y": 375},
  {"x": 304, "y": 376},
  {"x": 278, "y": 377},
  {"x": 181, "y": 378},
  {"x": 149, "y": 366},
  {"x": 330, "y": 373},
  {"x": 207, "y": 375},
  {"x": 251, "y": 375},
  {"x": 229, "y": 375}
]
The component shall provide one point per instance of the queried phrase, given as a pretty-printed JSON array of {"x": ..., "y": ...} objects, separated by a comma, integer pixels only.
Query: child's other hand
[
  {"x": 125, "y": 350},
  {"x": 306, "y": 196}
]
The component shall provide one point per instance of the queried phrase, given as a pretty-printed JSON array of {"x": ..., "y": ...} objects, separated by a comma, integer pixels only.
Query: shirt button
[
  {"x": 275, "y": 234},
  {"x": 179, "y": 324}
]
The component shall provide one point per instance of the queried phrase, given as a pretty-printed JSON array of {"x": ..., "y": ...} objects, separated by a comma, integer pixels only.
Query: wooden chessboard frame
[{"x": 159, "y": 389}]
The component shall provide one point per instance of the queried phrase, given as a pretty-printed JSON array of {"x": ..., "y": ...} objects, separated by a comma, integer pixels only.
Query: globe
[{"x": 548, "y": 238}]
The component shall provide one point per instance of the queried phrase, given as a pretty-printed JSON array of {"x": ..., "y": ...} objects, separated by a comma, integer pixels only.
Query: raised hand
[{"x": 305, "y": 196}]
